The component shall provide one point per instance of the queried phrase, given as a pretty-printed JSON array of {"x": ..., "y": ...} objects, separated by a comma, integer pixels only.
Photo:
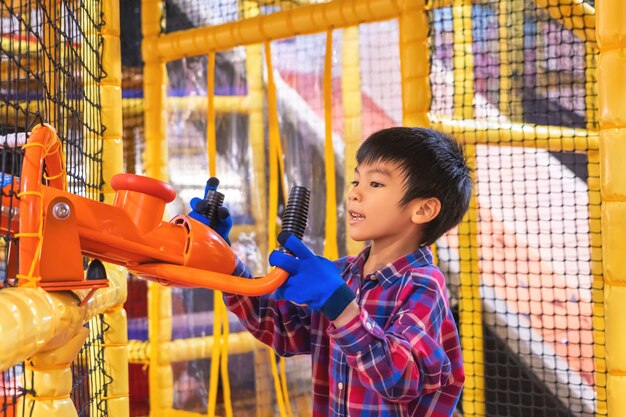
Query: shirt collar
[{"x": 387, "y": 274}]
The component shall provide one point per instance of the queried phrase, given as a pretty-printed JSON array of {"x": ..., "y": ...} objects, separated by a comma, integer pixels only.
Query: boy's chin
[{"x": 359, "y": 237}]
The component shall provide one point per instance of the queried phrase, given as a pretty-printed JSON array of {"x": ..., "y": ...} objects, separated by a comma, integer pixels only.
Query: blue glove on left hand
[
  {"x": 224, "y": 221},
  {"x": 313, "y": 280}
]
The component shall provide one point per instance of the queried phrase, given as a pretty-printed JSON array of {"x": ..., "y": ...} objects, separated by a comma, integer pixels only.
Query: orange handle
[{"x": 183, "y": 276}]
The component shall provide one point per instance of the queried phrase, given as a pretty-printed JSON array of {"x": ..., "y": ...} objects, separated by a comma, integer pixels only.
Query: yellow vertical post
[
  {"x": 116, "y": 335},
  {"x": 155, "y": 161},
  {"x": 415, "y": 67},
  {"x": 470, "y": 303},
  {"x": 274, "y": 140},
  {"x": 414, "y": 64},
  {"x": 511, "y": 31},
  {"x": 108, "y": 91},
  {"x": 611, "y": 39},
  {"x": 92, "y": 88},
  {"x": 155, "y": 80},
  {"x": 330, "y": 246},
  {"x": 595, "y": 228},
  {"x": 352, "y": 110},
  {"x": 50, "y": 53},
  {"x": 256, "y": 131}
]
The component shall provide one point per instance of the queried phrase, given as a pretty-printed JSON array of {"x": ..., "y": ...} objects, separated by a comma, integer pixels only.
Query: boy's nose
[{"x": 353, "y": 195}]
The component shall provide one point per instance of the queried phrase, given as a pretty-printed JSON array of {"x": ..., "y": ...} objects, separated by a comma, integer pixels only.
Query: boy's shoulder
[
  {"x": 344, "y": 263},
  {"x": 429, "y": 277}
]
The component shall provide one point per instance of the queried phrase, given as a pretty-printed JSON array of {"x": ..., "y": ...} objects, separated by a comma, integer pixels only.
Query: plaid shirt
[{"x": 400, "y": 357}]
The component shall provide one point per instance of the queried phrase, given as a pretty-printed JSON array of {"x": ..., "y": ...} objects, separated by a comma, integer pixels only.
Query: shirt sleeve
[
  {"x": 407, "y": 359},
  {"x": 280, "y": 324}
]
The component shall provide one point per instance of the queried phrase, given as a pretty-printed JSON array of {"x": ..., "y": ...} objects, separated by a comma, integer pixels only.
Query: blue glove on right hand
[{"x": 313, "y": 280}]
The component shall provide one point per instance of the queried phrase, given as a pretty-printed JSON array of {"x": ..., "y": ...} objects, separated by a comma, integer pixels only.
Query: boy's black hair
[{"x": 434, "y": 166}]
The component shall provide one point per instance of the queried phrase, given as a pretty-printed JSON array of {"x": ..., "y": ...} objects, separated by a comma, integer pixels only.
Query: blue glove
[
  {"x": 224, "y": 221},
  {"x": 313, "y": 280}
]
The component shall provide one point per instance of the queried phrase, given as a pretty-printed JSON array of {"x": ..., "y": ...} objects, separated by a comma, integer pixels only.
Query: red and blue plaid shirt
[{"x": 400, "y": 357}]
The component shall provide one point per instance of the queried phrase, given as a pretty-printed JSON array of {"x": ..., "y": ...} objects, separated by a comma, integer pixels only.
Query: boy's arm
[
  {"x": 283, "y": 326},
  {"x": 277, "y": 323},
  {"x": 407, "y": 359}
]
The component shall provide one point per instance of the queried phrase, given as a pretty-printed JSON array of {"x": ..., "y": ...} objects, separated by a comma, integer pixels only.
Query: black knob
[
  {"x": 212, "y": 201},
  {"x": 296, "y": 212}
]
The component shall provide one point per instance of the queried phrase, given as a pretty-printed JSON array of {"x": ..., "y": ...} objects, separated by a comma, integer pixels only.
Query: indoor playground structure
[{"x": 113, "y": 115}]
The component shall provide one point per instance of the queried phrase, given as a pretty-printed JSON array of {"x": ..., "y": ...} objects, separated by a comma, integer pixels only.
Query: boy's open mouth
[{"x": 355, "y": 216}]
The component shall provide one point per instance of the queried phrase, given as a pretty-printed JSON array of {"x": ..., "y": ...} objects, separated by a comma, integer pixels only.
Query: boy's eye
[
  {"x": 375, "y": 184},
  {"x": 354, "y": 183}
]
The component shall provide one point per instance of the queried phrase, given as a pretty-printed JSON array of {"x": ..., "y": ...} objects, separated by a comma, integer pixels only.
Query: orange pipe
[
  {"x": 182, "y": 252},
  {"x": 42, "y": 146}
]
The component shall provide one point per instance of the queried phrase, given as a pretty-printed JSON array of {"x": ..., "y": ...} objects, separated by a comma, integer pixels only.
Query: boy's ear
[{"x": 425, "y": 210}]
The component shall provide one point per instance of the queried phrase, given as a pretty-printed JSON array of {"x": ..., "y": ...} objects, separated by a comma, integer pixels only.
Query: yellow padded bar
[
  {"x": 611, "y": 37},
  {"x": 303, "y": 20},
  {"x": 551, "y": 138},
  {"x": 470, "y": 302},
  {"x": 352, "y": 111},
  {"x": 415, "y": 64}
]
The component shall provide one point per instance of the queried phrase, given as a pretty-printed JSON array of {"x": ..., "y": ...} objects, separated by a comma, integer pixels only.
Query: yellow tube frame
[
  {"x": 48, "y": 330},
  {"x": 551, "y": 138},
  {"x": 470, "y": 302},
  {"x": 611, "y": 37},
  {"x": 352, "y": 109},
  {"x": 303, "y": 20}
]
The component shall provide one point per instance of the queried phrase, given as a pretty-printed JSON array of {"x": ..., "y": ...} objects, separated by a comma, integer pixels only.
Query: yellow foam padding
[
  {"x": 610, "y": 31},
  {"x": 613, "y": 232},
  {"x": 617, "y": 400},
  {"x": 612, "y": 151},
  {"x": 612, "y": 81}
]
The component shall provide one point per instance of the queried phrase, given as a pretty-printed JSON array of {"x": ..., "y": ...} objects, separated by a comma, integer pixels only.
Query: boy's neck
[{"x": 383, "y": 252}]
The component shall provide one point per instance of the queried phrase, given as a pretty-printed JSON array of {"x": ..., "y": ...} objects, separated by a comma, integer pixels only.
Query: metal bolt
[{"x": 61, "y": 211}]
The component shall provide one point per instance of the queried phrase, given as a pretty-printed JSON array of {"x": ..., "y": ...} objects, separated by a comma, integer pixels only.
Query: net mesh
[
  {"x": 187, "y": 14},
  {"x": 50, "y": 70},
  {"x": 505, "y": 66},
  {"x": 518, "y": 68}
]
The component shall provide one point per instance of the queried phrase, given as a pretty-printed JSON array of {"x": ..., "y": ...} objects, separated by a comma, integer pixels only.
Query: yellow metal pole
[
  {"x": 155, "y": 159},
  {"x": 111, "y": 99},
  {"x": 92, "y": 140},
  {"x": 256, "y": 135},
  {"x": 595, "y": 229},
  {"x": 330, "y": 245},
  {"x": 611, "y": 37},
  {"x": 303, "y": 20},
  {"x": 116, "y": 335},
  {"x": 511, "y": 30},
  {"x": 50, "y": 53},
  {"x": 470, "y": 303},
  {"x": 352, "y": 110},
  {"x": 274, "y": 140},
  {"x": 415, "y": 68},
  {"x": 551, "y": 138},
  {"x": 415, "y": 64}
]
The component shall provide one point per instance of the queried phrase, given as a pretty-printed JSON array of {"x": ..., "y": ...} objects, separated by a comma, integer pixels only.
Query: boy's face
[{"x": 374, "y": 203}]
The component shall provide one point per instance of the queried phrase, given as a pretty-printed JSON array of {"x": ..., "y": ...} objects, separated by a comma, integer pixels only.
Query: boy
[{"x": 378, "y": 326}]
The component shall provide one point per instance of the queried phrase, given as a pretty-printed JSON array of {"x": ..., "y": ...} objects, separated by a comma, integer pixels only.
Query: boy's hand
[
  {"x": 224, "y": 221},
  {"x": 313, "y": 280}
]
